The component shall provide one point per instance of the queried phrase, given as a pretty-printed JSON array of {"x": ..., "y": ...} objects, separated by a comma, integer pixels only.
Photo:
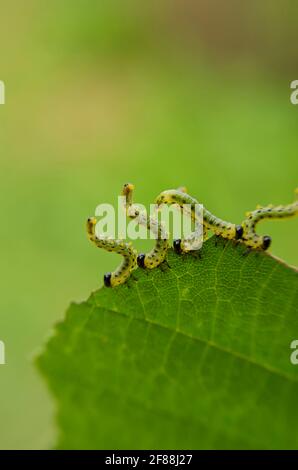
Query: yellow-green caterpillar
[
  {"x": 122, "y": 273},
  {"x": 157, "y": 255},
  {"x": 250, "y": 238},
  {"x": 218, "y": 226}
]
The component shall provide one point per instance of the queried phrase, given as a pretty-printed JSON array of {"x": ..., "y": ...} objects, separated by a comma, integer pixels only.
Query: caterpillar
[
  {"x": 122, "y": 273},
  {"x": 190, "y": 243},
  {"x": 218, "y": 226},
  {"x": 157, "y": 255},
  {"x": 250, "y": 237}
]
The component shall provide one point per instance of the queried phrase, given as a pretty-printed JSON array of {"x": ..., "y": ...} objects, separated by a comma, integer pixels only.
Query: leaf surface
[{"x": 191, "y": 356}]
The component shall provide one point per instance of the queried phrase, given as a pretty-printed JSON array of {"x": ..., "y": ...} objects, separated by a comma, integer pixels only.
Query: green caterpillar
[
  {"x": 191, "y": 242},
  {"x": 157, "y": 255},
  {"x": 122, "y": 273},
  {"x": 210, "y": 222},
  {"x": 250, "y": 238}
]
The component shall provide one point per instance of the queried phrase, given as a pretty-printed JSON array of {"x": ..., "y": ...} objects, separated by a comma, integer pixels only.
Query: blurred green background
[{"x": 98, "y": 93}]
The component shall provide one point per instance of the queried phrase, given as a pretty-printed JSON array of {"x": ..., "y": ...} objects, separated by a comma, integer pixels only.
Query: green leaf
[{"x": 196, "y": 355}]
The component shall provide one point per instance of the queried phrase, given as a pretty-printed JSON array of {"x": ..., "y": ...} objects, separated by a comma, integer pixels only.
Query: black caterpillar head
[
  {"x": 177, "y": 246},
  {"x": 141, "y": 260},
  {"x": 239, "y": 232},
  {"x": 107, "y": 279},
  {"x": 266, "y": 242}
]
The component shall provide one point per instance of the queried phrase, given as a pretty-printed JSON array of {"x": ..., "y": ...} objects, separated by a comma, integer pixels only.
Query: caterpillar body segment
[
  {"x": 157, "y": 255},
  {"x": 191, "y": 243},
  {"x": 127, "y": 192},
  {"x": 262, "y": 242},
  {"x": 129, "y": 263}
]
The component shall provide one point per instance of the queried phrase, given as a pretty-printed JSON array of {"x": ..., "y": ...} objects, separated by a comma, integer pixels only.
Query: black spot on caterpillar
[{"x": 122, "y": 273}]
